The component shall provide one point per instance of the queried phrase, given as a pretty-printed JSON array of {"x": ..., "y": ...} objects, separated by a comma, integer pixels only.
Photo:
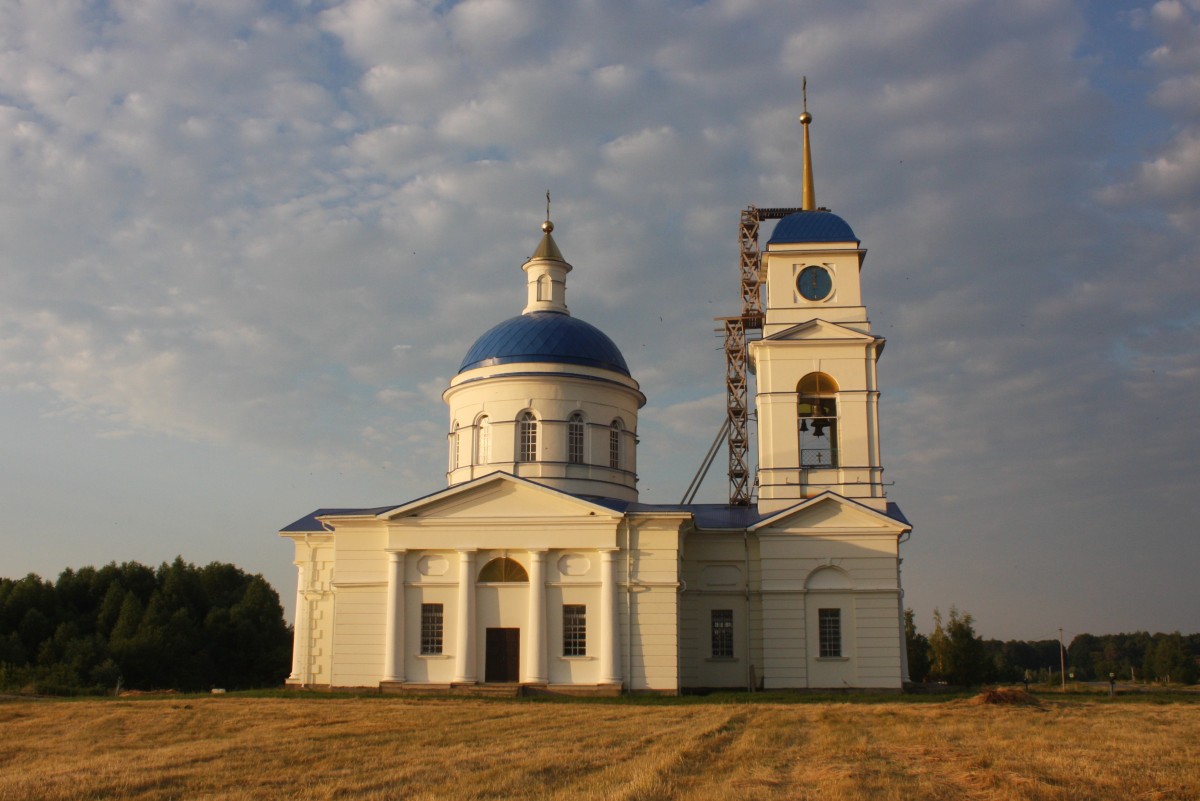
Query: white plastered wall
[
  {"x": 831, "y": 556},
  {"x": 553, "y": 392},
  {"x": 314, "y": 559},
  {"x": 717, "y": 567},
  {"x": 649, "y": 601},
  {"x": 779, "y": 367},
  {"x": 360, "y": 604}
]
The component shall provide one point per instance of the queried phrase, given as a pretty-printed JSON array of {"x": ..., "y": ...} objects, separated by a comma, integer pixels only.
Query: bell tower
[{"x": 817, "y": 393}]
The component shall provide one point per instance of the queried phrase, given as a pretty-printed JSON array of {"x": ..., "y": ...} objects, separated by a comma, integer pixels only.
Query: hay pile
[{"x": 1005, "y": 695}]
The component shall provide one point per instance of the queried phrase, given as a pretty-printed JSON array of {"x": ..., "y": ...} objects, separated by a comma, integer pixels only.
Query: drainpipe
[
  {"x": 746, "y": 584},
  {"x": 628, "y": 604}
]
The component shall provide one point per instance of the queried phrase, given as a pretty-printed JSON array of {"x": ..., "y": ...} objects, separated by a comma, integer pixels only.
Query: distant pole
[{"x": 1062, "y": 658}]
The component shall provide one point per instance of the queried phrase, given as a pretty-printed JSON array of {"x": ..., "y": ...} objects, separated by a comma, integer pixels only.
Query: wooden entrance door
[{"x": 503, "y": 660}]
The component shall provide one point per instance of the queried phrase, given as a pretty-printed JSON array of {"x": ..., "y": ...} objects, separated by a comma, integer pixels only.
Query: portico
[{"x": 549, "y": 603}]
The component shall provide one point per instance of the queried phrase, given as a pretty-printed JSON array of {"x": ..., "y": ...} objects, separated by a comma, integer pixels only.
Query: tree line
[
  {"x": 955, "y": 654},
  {"x": 177, "y": 626}
]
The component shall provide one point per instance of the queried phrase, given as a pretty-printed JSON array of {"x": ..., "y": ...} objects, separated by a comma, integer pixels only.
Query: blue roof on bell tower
[
  {"x": 545, "y": 337},
  {"x": 812, "y": 226}
]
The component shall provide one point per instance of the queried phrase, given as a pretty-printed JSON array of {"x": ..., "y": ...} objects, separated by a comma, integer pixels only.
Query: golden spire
[{"x": 808, "y": 199}]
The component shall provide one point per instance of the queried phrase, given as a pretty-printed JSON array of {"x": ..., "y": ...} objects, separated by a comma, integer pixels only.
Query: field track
[{"x": 369, "y": 749}]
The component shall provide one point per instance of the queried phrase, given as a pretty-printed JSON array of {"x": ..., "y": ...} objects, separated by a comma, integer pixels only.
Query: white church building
[{"x": 539, "y": 568}]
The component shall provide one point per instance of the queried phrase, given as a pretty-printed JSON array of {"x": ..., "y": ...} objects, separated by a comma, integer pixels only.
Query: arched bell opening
[{"x": 817, "y": 413}]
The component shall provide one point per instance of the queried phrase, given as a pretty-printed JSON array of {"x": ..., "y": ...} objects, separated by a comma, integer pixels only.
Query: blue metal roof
[
  {"x": 707, "y": 515},
  {"x": 310, "y": 524},
  {"x": 812, "y": 226},
  {"x": 545, "y": 337}
]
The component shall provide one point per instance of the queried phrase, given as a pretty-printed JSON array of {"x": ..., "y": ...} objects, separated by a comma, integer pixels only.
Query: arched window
[
  {"x": 454, "y": 446},
  {"x": 818, "y": 420},
  {"x": 483, "y": 437},
  {"x": 527, "y": 437},
  {"x": 544, "y": 291},
  {"x": 503, "y": 569},
  {"x": 614, "y": 445},
  {"x": 575, "y": 428}
]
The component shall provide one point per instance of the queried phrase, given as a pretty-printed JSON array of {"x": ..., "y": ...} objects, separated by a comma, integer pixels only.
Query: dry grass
[{"x": 370, "y": 749}]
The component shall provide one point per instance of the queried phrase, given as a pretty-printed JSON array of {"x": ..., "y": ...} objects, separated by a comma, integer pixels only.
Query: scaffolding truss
[{"x": 737, "y": 410}]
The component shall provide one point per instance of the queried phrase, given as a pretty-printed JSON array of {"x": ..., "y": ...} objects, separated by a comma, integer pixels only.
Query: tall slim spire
[{"x": 808, "y": 199}]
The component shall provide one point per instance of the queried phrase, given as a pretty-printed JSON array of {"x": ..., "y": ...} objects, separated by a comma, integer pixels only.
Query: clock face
[{"x": 814, "y": 283}]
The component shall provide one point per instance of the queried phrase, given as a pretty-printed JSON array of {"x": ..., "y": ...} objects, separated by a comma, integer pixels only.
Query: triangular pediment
[
  {"x": 832, "y": 513},
  {"x": 498, "y": 497},
  {"x": 822, "y": 330}
]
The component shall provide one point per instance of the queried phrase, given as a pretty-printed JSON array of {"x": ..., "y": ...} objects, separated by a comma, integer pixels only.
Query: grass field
[{"x": 369, "y": 748}]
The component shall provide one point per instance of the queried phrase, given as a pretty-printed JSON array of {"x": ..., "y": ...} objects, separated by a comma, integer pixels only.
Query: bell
[
  {"x": 804, "y": 425},
  {"x": 818, "y": 429}
]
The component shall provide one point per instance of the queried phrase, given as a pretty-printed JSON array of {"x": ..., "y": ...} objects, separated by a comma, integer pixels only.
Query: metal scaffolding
[{"x": 737, "y": 410}]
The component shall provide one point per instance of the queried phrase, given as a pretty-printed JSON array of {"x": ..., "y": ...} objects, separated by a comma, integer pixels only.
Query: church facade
[{"x": 538, "y": 565}]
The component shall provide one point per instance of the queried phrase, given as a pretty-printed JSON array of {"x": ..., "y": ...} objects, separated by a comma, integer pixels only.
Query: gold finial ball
[
  {"x": 805, "y": 118},
  {"x": 547, "y": 227}
]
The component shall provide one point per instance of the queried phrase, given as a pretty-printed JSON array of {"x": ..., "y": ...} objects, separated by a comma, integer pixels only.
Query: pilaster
[
  {"x": 300, "y": 631},
  {"x": 464, "y": 656},
  {"x": 536, "y": 671},
  {"x": 393, "y": 637},
  {"x": 610, "y": 629}
]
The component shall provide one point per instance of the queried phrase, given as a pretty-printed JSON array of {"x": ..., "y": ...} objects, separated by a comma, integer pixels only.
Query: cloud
[
  {"x": 220, "y": 221},
  {"x": 1170, "y": 178}
]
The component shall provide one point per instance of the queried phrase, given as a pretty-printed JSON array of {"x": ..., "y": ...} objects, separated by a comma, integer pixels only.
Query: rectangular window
[
  {"x": 614, "y": 447},
  {"x": 527, "y": 438},
  {"x": 574, "y": 630},
  {"x": 830, "y": 632},
  {"x": 431, "y": 628},
  {"x": 575, "y": 441},
  {"x": 722, "y": 633}
]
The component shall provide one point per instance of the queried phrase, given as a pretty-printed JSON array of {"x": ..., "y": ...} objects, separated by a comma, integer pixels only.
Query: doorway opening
[{"x": 502, "y": 663}]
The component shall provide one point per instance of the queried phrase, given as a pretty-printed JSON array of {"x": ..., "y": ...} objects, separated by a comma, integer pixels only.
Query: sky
[{"x": 244, "y": 246}]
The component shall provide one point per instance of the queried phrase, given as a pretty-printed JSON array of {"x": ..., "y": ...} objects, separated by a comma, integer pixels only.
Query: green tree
[
  {"x": 958, "y": 653},
  {"x": 917, "y": 646},
  {"x": 1168, "y": 660},
  {"x": 1082, "y": 655}
]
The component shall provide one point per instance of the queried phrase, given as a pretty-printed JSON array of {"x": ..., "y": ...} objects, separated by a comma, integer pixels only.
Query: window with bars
[
  {"x": 527, "y": 436},
  {"x": 829, "y": 632},
  {"x": 614, "y": 445},
  {"x": 431, "y": 628},
  {"x": 575, "y": 428},
  {"x": 722, "y": 633},
  {"x": 574, "y": 630}
]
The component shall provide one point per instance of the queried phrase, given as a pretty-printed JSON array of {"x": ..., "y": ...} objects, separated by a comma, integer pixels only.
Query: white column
[
  {"x": 464, "y": 657},
  {"x": 610, "y": 630},
  {"x": 300, "y": 632},
  {"x": 535, "y": 662},
  {"x": 393, "y": 635}
]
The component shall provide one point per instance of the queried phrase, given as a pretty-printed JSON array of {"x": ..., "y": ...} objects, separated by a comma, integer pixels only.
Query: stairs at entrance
[{"x": 493, "y": 690}]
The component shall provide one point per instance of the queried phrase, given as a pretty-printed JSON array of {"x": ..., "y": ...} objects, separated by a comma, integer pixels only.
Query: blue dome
[
  {"x": 545, "y": 337},
  {"x": 812, "y": 226}
]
